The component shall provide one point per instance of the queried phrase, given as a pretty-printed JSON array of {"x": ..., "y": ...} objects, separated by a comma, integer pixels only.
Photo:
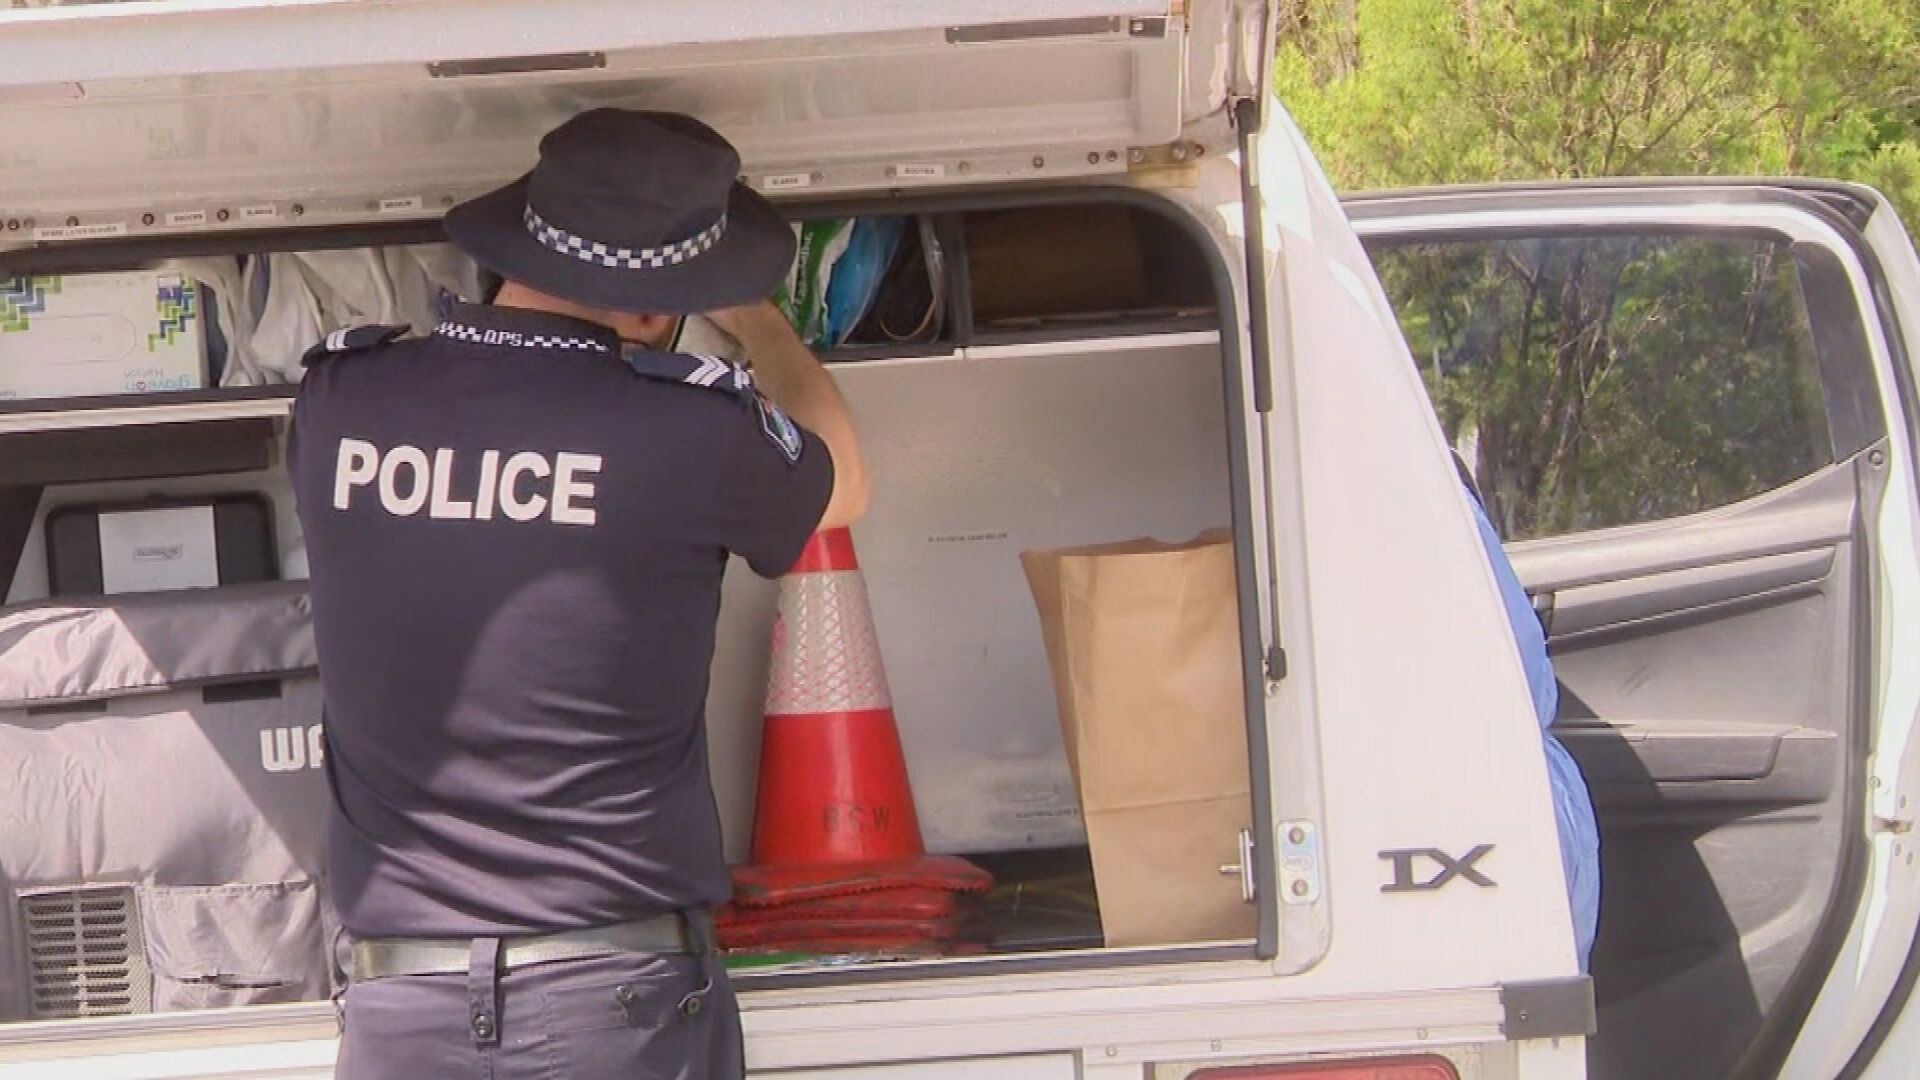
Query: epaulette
[
  {"x": 711, "y": 372},
  {"x": 352, "y": 339},
  {"x": 715, "y": 373}
]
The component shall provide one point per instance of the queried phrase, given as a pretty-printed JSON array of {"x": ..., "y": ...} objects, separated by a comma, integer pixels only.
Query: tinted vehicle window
[{"x": 1599, "y": 380}]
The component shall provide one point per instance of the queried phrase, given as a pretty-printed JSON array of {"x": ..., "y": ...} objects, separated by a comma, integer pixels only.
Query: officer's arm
[{"x": 791, "y": 376}]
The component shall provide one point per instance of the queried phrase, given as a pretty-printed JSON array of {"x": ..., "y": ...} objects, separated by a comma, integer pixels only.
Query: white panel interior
[{"x": 975, "y": 458}]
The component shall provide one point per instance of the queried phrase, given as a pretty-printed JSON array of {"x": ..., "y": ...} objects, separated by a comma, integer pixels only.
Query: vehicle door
[{"x": 1683, "y": 407}]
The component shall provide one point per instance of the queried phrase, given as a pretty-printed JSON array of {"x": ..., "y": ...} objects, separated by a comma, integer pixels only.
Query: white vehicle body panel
[{"x": 1350, "y": 414}]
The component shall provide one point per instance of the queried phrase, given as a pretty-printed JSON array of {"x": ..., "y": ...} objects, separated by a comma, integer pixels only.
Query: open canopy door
[{"x": 126, "y": 119}]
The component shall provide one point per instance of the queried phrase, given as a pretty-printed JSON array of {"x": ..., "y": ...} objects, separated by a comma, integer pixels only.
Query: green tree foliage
[
  {"x": 1601, "y": 382},
  {"x": 1398, "y": 92},
  {"x": 1604, "y": 380}
]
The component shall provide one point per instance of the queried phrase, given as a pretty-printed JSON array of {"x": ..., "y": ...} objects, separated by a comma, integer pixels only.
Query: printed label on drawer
[
  {"x": 179, "y": 218},
  {"x": 920, "y": 171},
  {"x": 407, "y": 205},
  {"x": 81, "y": 232},
  {"x": 788, "y": 181},
  {"x": 259, "y": 213}
]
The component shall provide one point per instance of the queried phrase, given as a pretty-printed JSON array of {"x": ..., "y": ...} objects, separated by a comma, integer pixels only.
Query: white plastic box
[{"x": 123, "y": 333}]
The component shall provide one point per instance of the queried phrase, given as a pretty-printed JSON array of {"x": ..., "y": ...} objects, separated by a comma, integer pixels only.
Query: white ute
[{"x": 1737, "y": 679}]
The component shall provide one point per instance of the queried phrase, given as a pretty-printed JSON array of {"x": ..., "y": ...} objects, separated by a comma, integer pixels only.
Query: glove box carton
[{"x": 86, "y": 334}]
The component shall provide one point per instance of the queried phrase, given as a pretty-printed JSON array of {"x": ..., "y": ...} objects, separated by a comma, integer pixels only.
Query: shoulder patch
[
  {"x": 780, "y": 429},
  {"x": 352, "y": 339}
]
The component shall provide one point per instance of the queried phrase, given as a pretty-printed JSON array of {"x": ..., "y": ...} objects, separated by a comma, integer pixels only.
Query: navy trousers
[{"x": 636, "y": 1016}]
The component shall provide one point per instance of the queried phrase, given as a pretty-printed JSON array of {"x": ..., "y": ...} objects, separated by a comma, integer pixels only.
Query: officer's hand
[
  {"x": 788, "y": 373},
  {"x": 748, "y": 323}
]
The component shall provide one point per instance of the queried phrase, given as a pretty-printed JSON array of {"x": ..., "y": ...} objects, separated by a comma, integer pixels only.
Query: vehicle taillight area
[{"x": 1426, "y": 1067}]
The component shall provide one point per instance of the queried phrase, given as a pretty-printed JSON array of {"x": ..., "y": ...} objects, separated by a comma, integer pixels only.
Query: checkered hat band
[{"x": 619, "y": 258}]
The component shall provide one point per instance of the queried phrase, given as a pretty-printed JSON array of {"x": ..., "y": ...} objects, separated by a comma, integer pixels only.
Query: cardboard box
[
  {"x": 1056, "y": 260},
  {"x": 86, "y": 334}
]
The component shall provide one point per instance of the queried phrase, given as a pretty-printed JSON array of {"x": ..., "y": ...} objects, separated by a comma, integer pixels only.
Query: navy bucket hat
[{"x": 631, "y": 211}]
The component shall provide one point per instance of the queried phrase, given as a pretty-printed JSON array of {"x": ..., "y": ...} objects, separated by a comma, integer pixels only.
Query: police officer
[{"x": 516, "y": 529}]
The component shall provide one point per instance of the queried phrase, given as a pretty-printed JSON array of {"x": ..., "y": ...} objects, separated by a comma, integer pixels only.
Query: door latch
[{"x": 1244, "y": 867}]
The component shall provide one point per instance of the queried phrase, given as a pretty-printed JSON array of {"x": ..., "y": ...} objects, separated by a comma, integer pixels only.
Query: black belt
[{"x": 386, "y": 957}]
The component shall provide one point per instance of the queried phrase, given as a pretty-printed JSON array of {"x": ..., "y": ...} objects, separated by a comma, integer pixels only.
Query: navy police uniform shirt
[{"x": 516, "y": 535}]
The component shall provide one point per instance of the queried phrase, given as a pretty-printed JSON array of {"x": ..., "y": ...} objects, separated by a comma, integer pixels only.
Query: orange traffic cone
[{"x": 835, "y": 816}]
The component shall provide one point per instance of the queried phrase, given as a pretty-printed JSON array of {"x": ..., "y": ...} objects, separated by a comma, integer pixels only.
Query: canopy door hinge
[{"x": 1300, "y": 881}]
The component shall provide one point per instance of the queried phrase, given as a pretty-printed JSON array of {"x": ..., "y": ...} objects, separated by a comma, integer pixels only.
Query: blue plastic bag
[
  {"x": 856, "y": 274},
  {"x": 837, "y": 267}
]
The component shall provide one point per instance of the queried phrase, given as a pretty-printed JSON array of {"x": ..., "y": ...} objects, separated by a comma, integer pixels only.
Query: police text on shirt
[{"x": 524, "y": 486}]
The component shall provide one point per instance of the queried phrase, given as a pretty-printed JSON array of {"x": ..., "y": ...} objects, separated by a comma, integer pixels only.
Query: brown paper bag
[{"x": 1143, "y": 639}]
